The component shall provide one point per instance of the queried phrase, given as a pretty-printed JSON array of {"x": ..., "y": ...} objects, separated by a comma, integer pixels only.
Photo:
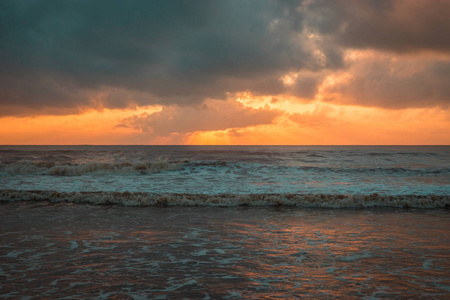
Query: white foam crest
[
  {"x": 51, "y": 168},
  {"x": 226, "y": 200}
]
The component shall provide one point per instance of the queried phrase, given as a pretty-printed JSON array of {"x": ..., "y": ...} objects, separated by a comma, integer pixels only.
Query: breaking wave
[
  {"x": 229, "y": 200},
  {"x": 151, "y": 167},
  {"x": 68, "y": 169}
]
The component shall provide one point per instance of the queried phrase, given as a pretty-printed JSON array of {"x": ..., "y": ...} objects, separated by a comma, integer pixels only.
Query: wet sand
[{"x": 85, "y": 251}]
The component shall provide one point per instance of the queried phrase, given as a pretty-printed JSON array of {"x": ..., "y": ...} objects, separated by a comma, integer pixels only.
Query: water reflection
[{"x": 121, "y": 252}]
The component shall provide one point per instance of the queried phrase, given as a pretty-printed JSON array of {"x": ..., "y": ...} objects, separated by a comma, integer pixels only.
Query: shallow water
[{"x": 84, "y": 251}]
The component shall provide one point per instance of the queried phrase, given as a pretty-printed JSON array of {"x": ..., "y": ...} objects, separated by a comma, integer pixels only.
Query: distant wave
[
  {"x": 377, "y": 170},
  {"x": 151, "y": 167},
  {"x": 227, "y": 200},
  {"x": 318, "y": 169},
  {"x": 67, "y": 169}
]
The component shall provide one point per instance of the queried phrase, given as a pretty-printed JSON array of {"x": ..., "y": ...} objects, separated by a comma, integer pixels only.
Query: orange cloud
[
  {"x": 212, "y": 115},
  {"x": 282, "y": 121},
  {"x": 329, "y": 124}
]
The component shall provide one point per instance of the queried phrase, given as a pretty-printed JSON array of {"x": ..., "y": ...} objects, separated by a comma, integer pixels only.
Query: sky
[{"x": 245, "y": 72}]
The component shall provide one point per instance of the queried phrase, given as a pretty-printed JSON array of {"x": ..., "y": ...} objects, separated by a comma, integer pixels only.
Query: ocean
[{"x": 163, "y": 222}]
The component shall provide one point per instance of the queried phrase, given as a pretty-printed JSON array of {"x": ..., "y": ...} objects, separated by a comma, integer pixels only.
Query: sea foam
[{"x": 228, "y": 200}]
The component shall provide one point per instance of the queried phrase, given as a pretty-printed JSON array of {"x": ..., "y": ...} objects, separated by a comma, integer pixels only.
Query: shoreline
[{"x": 229, "y": 200}]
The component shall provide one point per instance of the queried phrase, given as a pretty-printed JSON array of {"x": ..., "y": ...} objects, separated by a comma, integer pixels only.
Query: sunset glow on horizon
[{"x": 226, "y": 73}]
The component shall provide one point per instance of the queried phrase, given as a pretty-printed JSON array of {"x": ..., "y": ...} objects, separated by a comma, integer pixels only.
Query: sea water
[
  {"x": 237, "y": 222},
  {"x": 146, "y": 171}
]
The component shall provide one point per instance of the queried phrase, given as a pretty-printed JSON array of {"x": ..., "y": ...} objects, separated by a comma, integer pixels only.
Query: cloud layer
[
  {"x": 57, "y": 53},
  {"x": 59, "y": 57},
  {"x": 383, "y": 80},
  {"x": 213, "y": 115},
  {"x": 394, "y": 25}
]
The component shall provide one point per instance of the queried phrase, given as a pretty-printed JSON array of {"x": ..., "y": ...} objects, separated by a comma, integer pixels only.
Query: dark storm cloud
[
  {"x": 395, "y": 25},
  {"x": 56, "y": 56},
  {"x": 54, "y": 53}
]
